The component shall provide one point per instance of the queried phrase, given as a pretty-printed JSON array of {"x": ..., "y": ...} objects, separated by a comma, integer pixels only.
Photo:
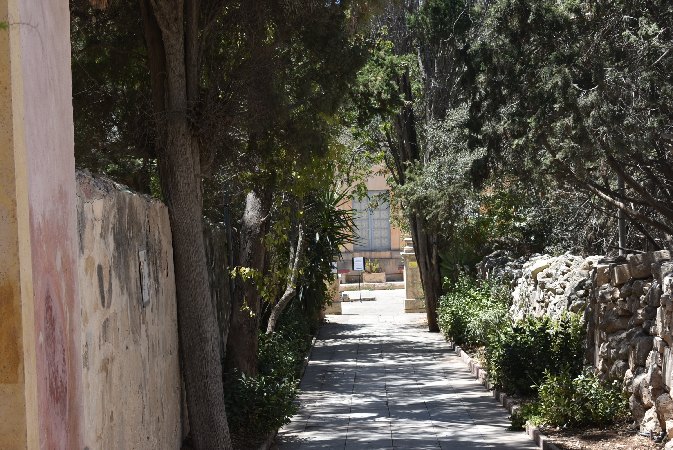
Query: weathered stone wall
[
  {"x": 552, "y": 285},
  {"x": 628, "y": 308},
  {"x": 631, "y": 326},
  {"x": 130, "y": 368}
]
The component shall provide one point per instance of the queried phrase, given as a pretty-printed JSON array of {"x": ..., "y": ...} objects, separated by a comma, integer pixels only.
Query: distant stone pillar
[
  {"x": 40, "y": 354},
  {"x": 415, "y": 298}
]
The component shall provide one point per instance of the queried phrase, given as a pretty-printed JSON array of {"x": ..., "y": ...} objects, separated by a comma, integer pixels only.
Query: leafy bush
[
  {"x": 282, "y": 354},
  {"x": 584, "y": 400},
  {"x": 519, "y": 355},
  {"x": 579, "y": 401},
  {"x": 258, "y": 405},
  {"x": 472, "y": 311},
  {"x": 527, "y": 411}
]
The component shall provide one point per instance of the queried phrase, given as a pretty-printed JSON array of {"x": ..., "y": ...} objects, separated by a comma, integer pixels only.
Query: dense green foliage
[
  {"x": 520, "y": 354},
  {"x": 581, "y": 92},
  {"x": 472, "y": 312},
  {"x": 577, "y": 401},
  {"x": 258, "y": 405},
  {"x": 546, "y": 103},
  {"x": 583, "y": 400}
]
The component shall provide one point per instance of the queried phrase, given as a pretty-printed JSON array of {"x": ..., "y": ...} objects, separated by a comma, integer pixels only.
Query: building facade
[{"x": 376, "y": 238}]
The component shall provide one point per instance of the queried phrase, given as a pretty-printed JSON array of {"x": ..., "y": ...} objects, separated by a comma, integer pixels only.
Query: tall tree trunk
[
  {"x": 243, "y": 341},
  {"x": 291, "y": 287},
  {"x": 181, "y": 184},
  {"x": 425, "y": 243},
  {"x": 427, "y": 255}
]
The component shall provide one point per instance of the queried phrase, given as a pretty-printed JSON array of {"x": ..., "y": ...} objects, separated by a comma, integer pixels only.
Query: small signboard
[{"x": 359, "y": 263}]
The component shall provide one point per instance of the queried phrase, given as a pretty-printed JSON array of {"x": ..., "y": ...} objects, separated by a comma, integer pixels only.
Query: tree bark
[
  {"x": 425, "y": 244},
  {"x": 291, "y": 288},
  {"x": 181, "y": 185},
  {"x": 243, "y": 341},
  {"x": 427, "y": 255}
]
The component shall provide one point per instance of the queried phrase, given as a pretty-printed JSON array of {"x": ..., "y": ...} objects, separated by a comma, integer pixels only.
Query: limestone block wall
[
  {"x": 129, "y": 342},
  {"x": 631, "y": 331},
  {"x": 551, "y": 285}
]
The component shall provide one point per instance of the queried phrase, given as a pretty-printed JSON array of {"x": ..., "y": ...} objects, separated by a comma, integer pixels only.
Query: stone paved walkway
[{"x": 378, "y": 380}]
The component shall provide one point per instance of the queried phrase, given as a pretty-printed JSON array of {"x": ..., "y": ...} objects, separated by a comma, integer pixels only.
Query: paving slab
[{"x": 378, "y": 380}]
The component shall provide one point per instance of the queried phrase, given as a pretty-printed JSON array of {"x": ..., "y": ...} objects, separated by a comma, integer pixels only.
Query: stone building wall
[{"x": 627, "y": 304}]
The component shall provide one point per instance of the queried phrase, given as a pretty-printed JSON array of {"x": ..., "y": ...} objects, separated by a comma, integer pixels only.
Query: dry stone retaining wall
[{"x": 628, "y": 308}]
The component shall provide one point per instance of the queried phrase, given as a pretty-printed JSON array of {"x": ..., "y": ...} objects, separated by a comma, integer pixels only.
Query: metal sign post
[
  {"x": 359, "y": 287},
  {"x": 359, "y": 266}
]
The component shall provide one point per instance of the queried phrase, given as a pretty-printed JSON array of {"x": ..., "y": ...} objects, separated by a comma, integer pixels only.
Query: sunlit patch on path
[{"x": 377, "y": 379}]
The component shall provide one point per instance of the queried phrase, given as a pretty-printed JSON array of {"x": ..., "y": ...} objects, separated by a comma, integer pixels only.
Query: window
[{"x": 372, "y": 222}]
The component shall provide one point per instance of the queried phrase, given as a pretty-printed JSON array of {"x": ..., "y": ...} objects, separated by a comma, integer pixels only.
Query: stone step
[{"x": 354, "y": 296}]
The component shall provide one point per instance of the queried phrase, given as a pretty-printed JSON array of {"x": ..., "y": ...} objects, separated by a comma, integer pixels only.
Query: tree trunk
[
  {"x": 427, "y": 255},
  {"x": 425, "y": 243},
  {"x": 180, "y": 180},
  {"x": 291, "y": 288},
  {"x": 243, "y": 341},
  {"x": 197, "y": 324}
]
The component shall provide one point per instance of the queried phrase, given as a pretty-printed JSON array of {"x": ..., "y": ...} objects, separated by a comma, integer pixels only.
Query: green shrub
[
  {"x": 580, "y": 401},
  {"x": 527, "y": 411},
  {"x": 518, "y": 355},
  {"x": 258, "y": 405},
  {"x": 472, "y": 311}
]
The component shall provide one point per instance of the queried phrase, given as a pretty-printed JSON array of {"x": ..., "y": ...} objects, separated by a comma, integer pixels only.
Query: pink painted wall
[{"x": 45, "y": 47}]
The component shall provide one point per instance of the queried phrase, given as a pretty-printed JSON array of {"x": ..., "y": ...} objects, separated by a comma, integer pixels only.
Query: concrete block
[
  {"x": 379, "y": 277},
  {"x": 659, "y": 344},
  {"x": 645, "y": 264},
  {"x": 357, "y": 296},
  {"x": 667, "y": 367},
  {"x": 661, "y": 268},
  {"x": 640, "y": 348}
]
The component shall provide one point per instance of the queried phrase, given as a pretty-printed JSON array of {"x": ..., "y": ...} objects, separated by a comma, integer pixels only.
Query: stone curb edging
[
  {"x": 307, "y": 358},
  {"x": 543, "y": 442}
]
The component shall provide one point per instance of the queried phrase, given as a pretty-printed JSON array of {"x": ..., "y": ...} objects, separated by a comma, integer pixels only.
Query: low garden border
[{"x": 481, "y": 375}]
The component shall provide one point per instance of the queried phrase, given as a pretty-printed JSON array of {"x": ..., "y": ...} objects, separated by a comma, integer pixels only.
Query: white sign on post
[{"x": 359, "y": 263}]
